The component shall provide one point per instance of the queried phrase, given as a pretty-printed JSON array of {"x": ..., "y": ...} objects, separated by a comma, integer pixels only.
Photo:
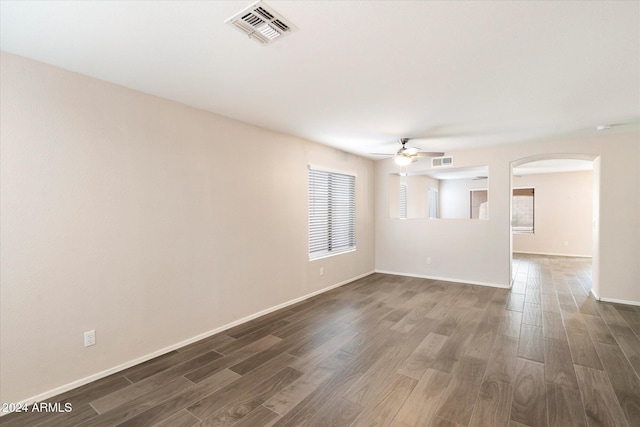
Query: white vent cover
[
  {"x": 438, "y": 162},
  {"x": 261, "y": 23}
]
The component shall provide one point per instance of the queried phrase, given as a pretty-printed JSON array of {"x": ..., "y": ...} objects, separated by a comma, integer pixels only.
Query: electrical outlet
[
  {"x": 322, "y": 271},
  {"x": 428, "y": 260},
  {"x": 89, "y": 338}
]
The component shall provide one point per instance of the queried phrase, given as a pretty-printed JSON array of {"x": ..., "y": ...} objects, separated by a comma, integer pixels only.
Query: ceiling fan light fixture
[{"x": 403, "y": 160}]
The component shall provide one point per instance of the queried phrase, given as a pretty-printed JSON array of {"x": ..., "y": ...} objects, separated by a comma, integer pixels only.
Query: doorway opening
[{"x": 554, "y": 205}]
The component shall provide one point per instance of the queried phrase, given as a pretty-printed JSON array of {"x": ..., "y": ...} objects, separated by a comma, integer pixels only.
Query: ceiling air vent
[
  {"x": 261, "y": 23},
  {"x": 439, "y": 162}
]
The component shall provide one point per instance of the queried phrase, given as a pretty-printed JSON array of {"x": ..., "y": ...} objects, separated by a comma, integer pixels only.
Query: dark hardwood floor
[{"x": 393, "y": 350}]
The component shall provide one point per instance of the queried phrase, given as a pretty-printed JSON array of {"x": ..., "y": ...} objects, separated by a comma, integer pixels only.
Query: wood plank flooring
[{"x": 394, "y": 351}]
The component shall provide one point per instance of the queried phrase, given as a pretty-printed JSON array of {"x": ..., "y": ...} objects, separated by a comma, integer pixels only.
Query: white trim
[
  {"x": 332, "y": 253},
  {"x": 446, "y": 279},
  {"x": 325, "y": 169},
  {"x": 552, "y": 254},
  {"x": 620, "y": 301},
  {"x": 86, "y": 380},
  {"x": 522, "y": 232}
]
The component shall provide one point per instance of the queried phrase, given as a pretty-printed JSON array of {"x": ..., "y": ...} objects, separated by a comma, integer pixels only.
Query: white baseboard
[
  {"x": 552, "y": 254},
  {"x": 620, "y": 301},
  {"x": 86, "y": 380},
  {"x": 446, "y": 279}
]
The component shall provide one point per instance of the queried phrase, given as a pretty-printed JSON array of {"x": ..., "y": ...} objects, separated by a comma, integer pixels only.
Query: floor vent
[
  {"x": 261, "y": 23},
  {"x": 438, "y": 162}
]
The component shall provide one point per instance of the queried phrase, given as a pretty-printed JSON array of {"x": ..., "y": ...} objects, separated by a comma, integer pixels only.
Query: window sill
[{"x": 331, "y": 254}]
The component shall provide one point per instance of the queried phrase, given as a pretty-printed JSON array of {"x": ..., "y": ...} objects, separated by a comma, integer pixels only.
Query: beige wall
[
  {"x": 563, "y": 214},
  {"x": 619, "y": 219},
  {"x": 479, "y": 251},
  {"x": 146, "y": 220}
]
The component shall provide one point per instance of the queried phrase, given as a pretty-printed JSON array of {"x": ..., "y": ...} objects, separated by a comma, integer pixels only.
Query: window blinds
[
  {"x": 332, "y": 213},
  {"x": 403, "y": 201}
]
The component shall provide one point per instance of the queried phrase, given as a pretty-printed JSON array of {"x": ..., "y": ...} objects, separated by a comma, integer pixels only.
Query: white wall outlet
[
  {"x": 429, "y": 260},
  {"x": 322, "y": 271},
  {"x": 89, "y": 338}
]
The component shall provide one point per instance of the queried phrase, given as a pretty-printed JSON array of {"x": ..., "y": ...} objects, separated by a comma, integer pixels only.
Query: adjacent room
[{"x": 353, "y": 213}]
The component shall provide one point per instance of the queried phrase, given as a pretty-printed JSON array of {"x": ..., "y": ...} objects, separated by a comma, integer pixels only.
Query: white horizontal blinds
[
  {"x": 332, "y": 213},
  {"x": 403, "y": 201},
  {"x": 318, "y": 212}
]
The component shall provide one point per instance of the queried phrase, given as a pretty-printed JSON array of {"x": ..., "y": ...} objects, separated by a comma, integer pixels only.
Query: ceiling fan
[{"x": 407, "y": 155}]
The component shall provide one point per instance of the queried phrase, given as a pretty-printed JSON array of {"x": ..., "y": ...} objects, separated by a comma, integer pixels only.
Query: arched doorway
[{"x": 524, "y": 223}]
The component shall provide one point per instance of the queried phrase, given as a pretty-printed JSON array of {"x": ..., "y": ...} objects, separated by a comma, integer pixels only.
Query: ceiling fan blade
[
  {"x": 382, "y": 154},
  {"x": 428, "y": 154}
]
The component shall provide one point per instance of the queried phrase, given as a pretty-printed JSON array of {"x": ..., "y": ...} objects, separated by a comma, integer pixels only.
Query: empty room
[{"x": 319, "y": 213}]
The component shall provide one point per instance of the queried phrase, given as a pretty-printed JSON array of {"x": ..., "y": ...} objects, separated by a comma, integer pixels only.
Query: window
[
  {"x": 403, "y": 201},
  {"x": 332, "y": 213},
  {"x": 522, "y": 211}
]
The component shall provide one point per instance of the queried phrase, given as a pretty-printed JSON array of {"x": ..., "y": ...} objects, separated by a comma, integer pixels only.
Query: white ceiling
[
  {"x": 553, "y": 165},
  {"x": 359, "y": 74},
  {"x": 530, "y": 168}
]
